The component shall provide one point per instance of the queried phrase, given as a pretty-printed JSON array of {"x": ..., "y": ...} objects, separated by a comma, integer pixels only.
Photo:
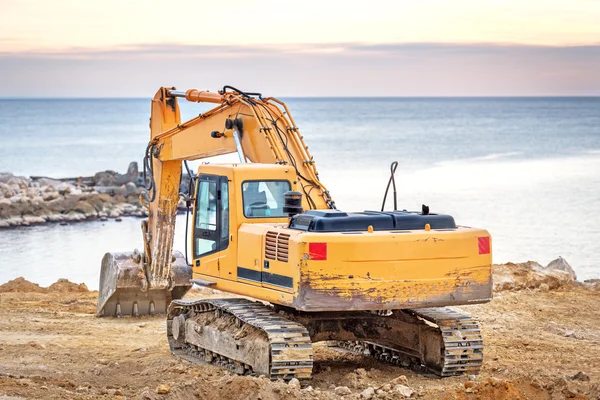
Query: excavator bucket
[{"x": 123, "y": 289}]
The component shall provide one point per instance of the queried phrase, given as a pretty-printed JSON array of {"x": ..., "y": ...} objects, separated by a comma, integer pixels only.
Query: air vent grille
[{"x": 277, "y": 246}]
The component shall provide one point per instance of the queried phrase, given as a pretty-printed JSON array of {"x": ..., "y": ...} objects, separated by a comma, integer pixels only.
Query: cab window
[
  {"x": 264, "y": 199},
  {"x": 211, "y": 227}
]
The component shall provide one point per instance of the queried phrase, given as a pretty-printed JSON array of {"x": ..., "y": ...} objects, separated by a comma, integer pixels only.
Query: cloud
[{"x": 335, "y": 69}]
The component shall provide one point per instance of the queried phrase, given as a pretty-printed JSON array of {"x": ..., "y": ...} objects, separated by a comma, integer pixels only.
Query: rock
[
  {"x": 544, "y": 287},
  {"x": 6, "y": 191},
  {"x": 562, "y": 265},
  {"x": 5, "y": 177},
  {"x": 49, "y": 196},
  {"x": 469, "y": 384},
  {"x": 308, "y": 389},
  {"x": 16, "y": 199},
  {"x": 146, "y": 395},
  {"x": 368, "y": 393},
  {"x": 403, "y": 390},
  {"x": 401, "y": 380},
  {"x": 294, "y": 382},
  {"x": 55, "y": 218},
  {"x": 580, "y": 376},
  {"x": 111, "y": 190},
  {"x": 570, "y": 334},
  {"x": 342, "y": 391},
  {"x": 31, "y": 220},
  {"x": 64, "y": 188},
  {"x": 130, "y": 188},
  {"x": 163, "y": 389},
  {"x": 21, "y": 182},
  {"x": 85, "y": 208},
  {"x": 105, "y": 178},
  {"x": 590, "y": 283},
  {"x": 129, "y": 177}
]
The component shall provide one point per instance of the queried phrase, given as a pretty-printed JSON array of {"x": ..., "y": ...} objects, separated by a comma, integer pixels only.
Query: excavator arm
[{"x": 260, "y": 130}]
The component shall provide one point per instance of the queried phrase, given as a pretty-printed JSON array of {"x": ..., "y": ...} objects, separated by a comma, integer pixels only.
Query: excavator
[{"x": 295, "y": 270}]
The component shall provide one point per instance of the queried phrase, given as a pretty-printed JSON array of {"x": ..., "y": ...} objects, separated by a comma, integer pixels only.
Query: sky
[{"x": 128, "y": 48}]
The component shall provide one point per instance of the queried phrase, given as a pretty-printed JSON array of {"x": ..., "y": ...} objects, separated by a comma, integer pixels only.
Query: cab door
[{"x": 211, "y": 224}]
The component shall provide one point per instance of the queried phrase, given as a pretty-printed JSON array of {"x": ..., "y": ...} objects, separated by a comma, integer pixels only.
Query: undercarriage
[{"x": 250, "y": 337}]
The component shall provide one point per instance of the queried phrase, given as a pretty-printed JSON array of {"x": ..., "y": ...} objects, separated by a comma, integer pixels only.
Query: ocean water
[{"x": 526, "y": 169}]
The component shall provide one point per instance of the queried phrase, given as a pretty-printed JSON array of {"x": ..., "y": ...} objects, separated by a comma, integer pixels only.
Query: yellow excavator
[{"x": 266, "y": 228}]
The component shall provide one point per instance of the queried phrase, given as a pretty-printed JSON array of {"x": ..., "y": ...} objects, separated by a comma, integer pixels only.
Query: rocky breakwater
[{"x": 39, "y": 200}]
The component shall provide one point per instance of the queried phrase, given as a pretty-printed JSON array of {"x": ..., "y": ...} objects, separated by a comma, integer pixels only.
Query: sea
[{"x": 525, "y": 169}]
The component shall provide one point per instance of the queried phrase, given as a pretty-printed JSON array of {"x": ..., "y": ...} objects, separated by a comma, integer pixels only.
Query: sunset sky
[{"x": 89, "y": 48}]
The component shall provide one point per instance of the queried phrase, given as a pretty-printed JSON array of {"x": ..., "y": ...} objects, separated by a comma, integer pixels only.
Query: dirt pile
[
  {"x": 64, "y": 285},
  {"x": 531, "y": 275},
  {"x": 22, "y": 285}
]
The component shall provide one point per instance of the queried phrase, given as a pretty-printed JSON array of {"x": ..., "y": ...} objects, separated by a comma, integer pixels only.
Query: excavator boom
[{"x": 260, "y": 130}]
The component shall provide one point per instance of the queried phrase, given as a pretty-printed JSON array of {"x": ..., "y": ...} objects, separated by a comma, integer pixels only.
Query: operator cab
[{"x": 229, "y": 195}]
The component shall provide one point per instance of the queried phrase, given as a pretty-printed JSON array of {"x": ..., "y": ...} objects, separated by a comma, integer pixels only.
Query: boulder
[
  {"x": 112, "y": 178},
  {"x": 403, "y": 390},
  {"x": 130, "y": 188},
  {"x": 20, "y": 181},
  {"x": 49, "y": 196},
  {"x": 562, "y": 265},
  {"x": 33, "y": 220},
  {"x": 65, "y": 188},
  {"x": 5, "y": 177},
  {"x": 6, "y": 191},
  {"x": 85, "y": 208},
  {"x": 17, "y": 199},
  {"x": 130, "y": 176},
  {"x": 111, "y": 190},
  {"x": 368, "y": 393},
  {"x": 342, "y": 391}
]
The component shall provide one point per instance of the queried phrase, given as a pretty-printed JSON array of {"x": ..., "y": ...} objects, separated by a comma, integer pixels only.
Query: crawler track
[
  {"x": 461, "y": 351},
  {"x": 282, "y": 350}
]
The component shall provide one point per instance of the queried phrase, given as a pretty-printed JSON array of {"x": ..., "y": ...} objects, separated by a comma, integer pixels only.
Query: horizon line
[{"x": 328, "y": 97}]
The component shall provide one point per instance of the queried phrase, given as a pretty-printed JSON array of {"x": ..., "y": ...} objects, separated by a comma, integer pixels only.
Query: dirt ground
[{"x": 539, "y": 345}]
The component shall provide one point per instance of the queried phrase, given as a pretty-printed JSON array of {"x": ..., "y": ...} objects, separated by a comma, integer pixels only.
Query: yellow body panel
[{"x": 363, "y": 270}]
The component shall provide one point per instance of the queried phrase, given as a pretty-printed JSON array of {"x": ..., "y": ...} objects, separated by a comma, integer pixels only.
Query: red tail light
[
  {"x": 484, "y": 245},
  {"x": 317, "y": 251}
]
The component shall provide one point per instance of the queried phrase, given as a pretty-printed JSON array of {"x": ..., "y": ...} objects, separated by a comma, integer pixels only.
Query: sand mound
[
  {"x": 21, "y": 285},
  {"x": 65, "y": 286},
  {"x": 531, "y": 275}
]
